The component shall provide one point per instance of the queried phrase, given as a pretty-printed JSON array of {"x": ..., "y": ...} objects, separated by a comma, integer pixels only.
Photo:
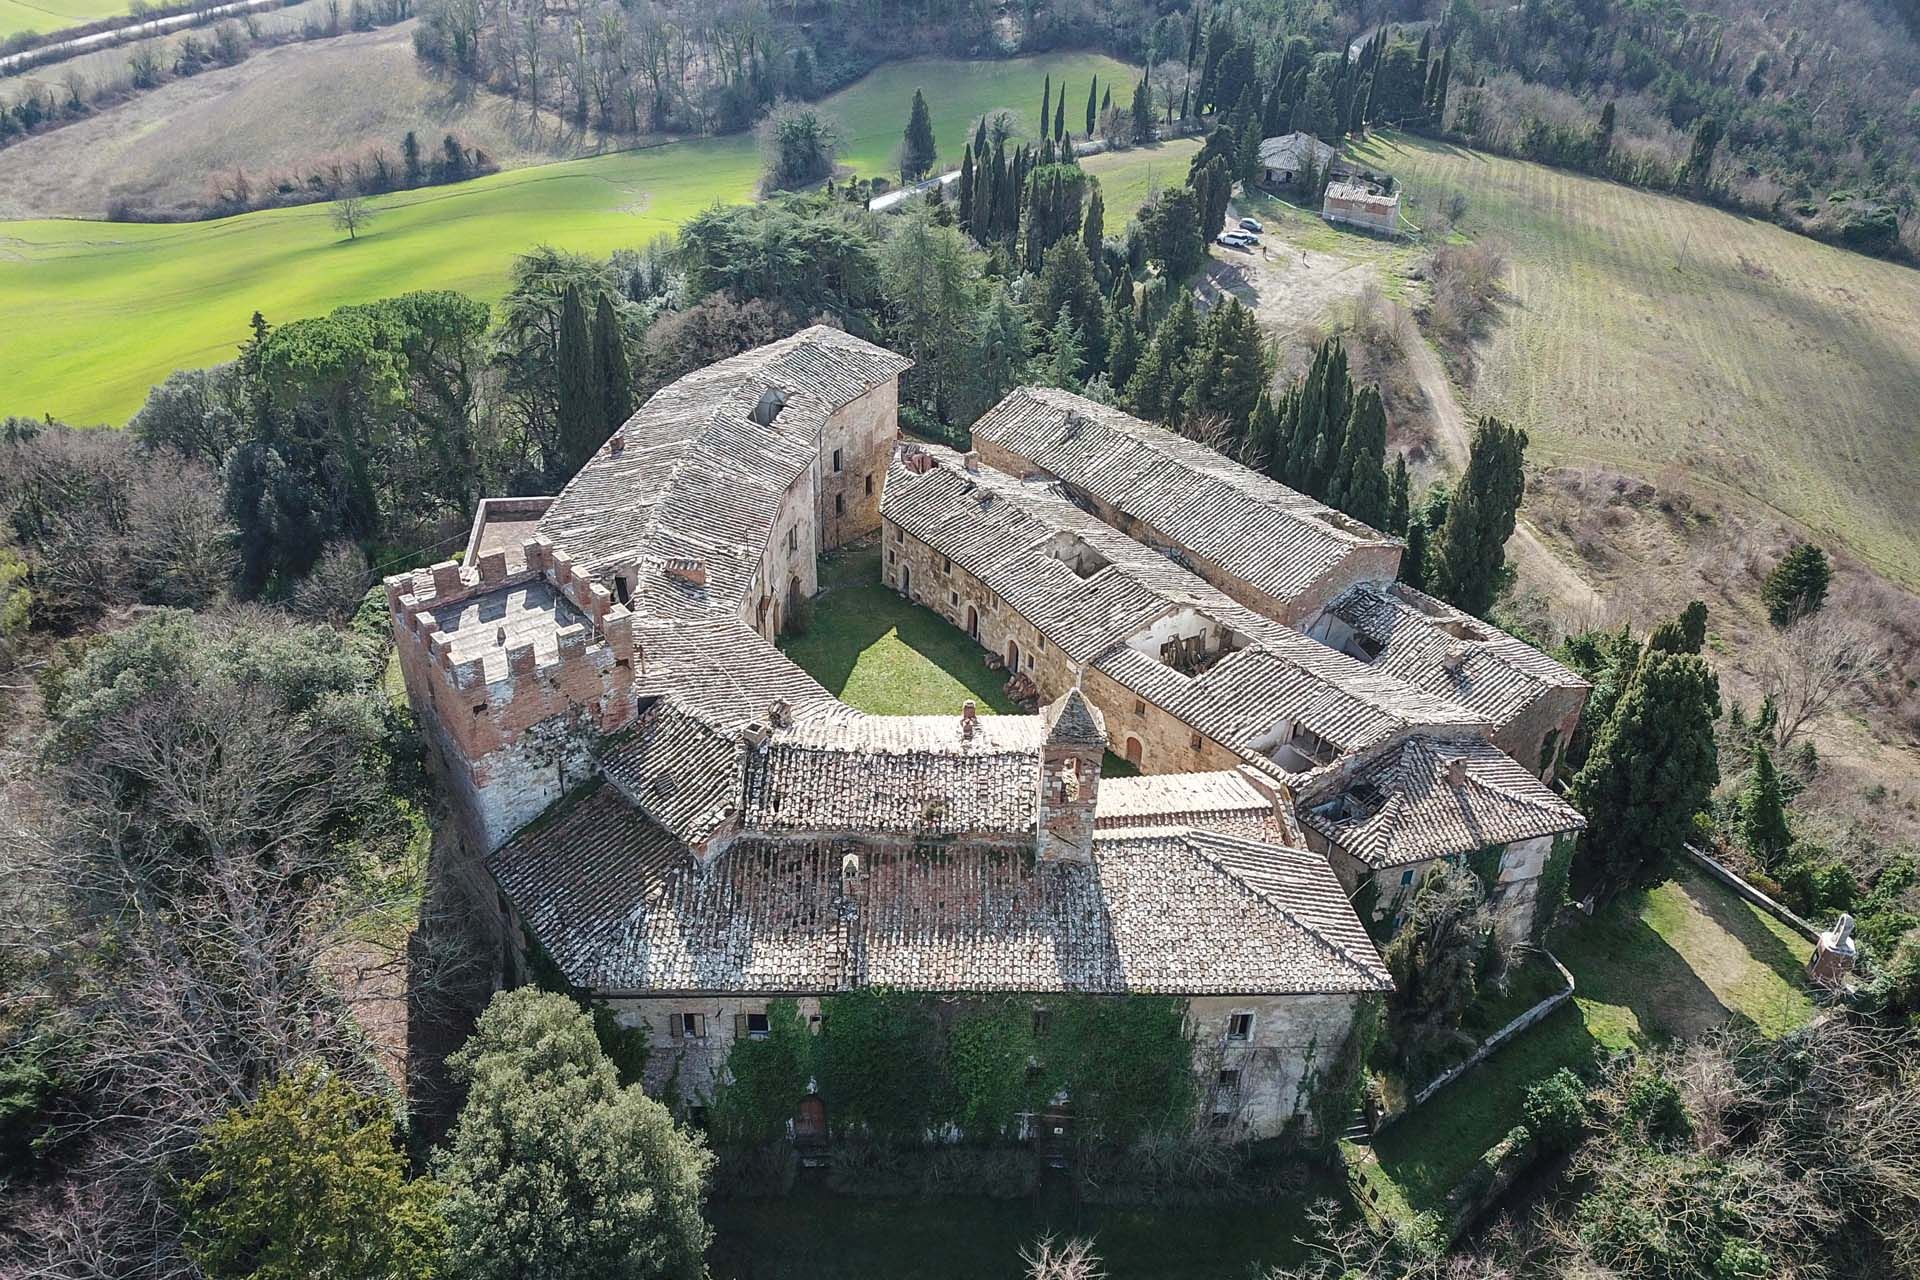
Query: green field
[
  {"x": 102, "y": 311},
  {"x": 1672, "y": 963},
  {"x": 52, "y": 15},
  {"x": 1648, "y": 333}
]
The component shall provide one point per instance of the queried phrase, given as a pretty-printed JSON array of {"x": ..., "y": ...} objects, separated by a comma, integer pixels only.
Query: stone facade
[{"x": 855, "y": 447}]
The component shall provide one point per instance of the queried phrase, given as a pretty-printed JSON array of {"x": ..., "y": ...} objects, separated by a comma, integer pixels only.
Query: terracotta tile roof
[
  {"x": 999, "y": 529},
  {"x": 1162, "y": 910},
  {"x": 1170, "y": 799},
  {"x": 1289, "y": 150},
  {"x": 1451, "y": 654},
  {"x": 696, "y": 476},
  {"x": 1257, "y": 529},
  {"x": 1402, "y": 804}
]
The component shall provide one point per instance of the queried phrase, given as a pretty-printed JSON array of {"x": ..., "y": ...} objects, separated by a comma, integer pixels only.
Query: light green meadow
[{"x": 98, "y": 312}]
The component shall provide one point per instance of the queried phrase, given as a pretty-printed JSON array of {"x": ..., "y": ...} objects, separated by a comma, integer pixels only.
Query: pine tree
[
  {"x": 1230, "y": 368},
  {"x": 581, "y": 421},
  {"x": 1798, "y": 584},
  {"x": 1092, "y": 104},
  {"x": 1762, "y": 813},
  {"x": 918, "y": 154},
  {"x": 1160, "y": 383},
  {"x": 1472, "y": 543},
  {"x": 1361, "y": 488},
  {"x": 965, "y": 191},
  {"x": 1651, "y": 770},
  {"x": 1684, "y": 634},
  {"x": 1123, "y": 342},
  {"x": 1397, "y": 497},
  {"x": 1065, "y": 362},
  {"x": 610, "y": 361}
]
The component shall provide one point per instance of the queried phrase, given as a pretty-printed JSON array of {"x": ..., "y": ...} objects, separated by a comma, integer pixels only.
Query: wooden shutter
[
  {"x": 739, "y": 1026},
  {"x": 673, "y": 1025}
]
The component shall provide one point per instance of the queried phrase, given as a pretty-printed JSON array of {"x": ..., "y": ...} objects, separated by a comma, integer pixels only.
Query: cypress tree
[
  {"x": 1603, "y": 132},
  {"x": 1480, "y": 519},
  {"x": 965, "y": 192},
  {"x": 919, "y": 153},
  {"x": 1397, "y": 497},
  {"x": 1142, "y": 113},
  {"x": 1106, "y": 99},
  {"x": 1230, "y": 368},
  {"x": 581, "y": 416},
  {"x": 1310, "y": 407},
  {"x": 1438, "y": 112},
  {"x": 1651, "y": 769},
  {"x": 980, "y": 138},
  {"x": 1361, "y": 487},
  {"x": 1059, "y": 116},
  {"x": 610, "y": 360},
  {"x": 1413, "y": 562},
  {"x": 1092, "y": 105},
  {"x": 1337, "y": 388},
  {"x": 1123, "y": 341},
  {"x": 1797, "y": 586},
  {"x": 1093, "y": 229},
  {"x": 1263, "y": 434},
  {"x": 1065, "y": 363},
  {"x": 1046, "y": 106}
]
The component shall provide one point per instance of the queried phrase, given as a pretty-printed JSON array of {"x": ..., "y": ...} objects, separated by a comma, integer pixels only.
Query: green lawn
[
  {"x": 102, "y": 311},
  {"x": 52, "y": 15},
  {"x": 1675, "y": 962}
]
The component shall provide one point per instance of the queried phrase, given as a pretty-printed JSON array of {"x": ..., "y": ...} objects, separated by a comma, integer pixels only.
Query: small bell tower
[{"x": 1070, "y": 778}]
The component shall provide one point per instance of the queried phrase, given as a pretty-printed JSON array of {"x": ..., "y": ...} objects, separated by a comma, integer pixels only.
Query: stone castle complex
[{"x": 689, "y": 826}]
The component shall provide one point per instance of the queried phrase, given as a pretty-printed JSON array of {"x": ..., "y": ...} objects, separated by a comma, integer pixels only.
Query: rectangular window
[
  {"x": 899, "y": 535},
  {"x": 692, "y": 1026},
  {"x": 1194, "y": 742},
  {"x": 839, "y": 504},
  {"x": 1240, "y": 1027},
  {"x": 946, "y": 564},
  {"x": 869, "y": 486},
  {"x": 891, "y": 556},
  {"x": 836, "y": 459},
  {"x": 1230, "y": 1080},
  {"x": 1042, "y": 1022},
  {"x": 757, "y": 1027},
  {"x": 1139, "y": 707},
  {"x": 793, "y": 538},
  {"x": 953, "y": 598}
]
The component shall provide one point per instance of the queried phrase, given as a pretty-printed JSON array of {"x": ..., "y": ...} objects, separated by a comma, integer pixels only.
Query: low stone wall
[
  {"x": 1532, "y": 1017},
  {"x": 1727, "y": 876}
]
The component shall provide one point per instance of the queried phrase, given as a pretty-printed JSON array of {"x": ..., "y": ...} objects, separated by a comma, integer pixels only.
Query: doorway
[
  {"x": 1013, "y": 656},
  {"x": 810, "y": 1124},
  {"x": 1133, "y": 751},
  {"x": 973, "y": 622}
]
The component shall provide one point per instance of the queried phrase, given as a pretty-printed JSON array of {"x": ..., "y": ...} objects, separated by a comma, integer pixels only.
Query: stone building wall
[
  {"x": 1515, "y": 897},
  {"x": 1289, "y": 1038},
  {"x": 1537, "y": 736},
  {"x": 862, "y": 433},
  {"x": 1165, "y": 744},
  {"x": 788, "y": 568}
]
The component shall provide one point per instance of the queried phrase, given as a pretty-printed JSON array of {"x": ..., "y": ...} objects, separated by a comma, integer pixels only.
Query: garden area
[{"x": 1664, "y": 964}]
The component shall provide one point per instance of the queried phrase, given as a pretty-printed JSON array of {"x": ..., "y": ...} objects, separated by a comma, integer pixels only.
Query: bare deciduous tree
[
  {"x": 1816, "y": 666},
  {"x": 351, "y": 214}
]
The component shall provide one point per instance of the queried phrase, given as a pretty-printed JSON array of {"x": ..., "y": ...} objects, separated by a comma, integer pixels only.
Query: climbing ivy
[
  {"x": 1485, "y": 863},
  {"x": 989, "y": 1049},
  {"x": 1334, "y": 1092},
  {"x": 1551, "y": 894},
  {"x": 1125, "y": 1062},
  {"x": 765, "y": 1079},
  {"x": 881, "y": 1060}
]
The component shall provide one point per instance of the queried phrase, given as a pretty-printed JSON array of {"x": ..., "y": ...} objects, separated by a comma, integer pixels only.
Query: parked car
[
  {"x": 1251, "y": 224},
  {"x": 1236, "y": 240}
]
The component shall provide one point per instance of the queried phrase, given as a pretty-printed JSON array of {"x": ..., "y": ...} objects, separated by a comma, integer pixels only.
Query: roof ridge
[{"x": 1197, "y": 839}]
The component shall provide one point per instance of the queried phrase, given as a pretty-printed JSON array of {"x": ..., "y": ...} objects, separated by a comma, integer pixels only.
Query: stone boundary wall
[
  {"x": 1728, "y": 877},
  {"x": 1526, "y": 1020}
]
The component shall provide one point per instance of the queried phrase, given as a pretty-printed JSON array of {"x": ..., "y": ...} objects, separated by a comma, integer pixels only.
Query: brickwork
[{"x": 511, "y": 719}]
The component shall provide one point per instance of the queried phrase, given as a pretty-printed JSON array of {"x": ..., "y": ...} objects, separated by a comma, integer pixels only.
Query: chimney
[
  {"x": 780, "y": 714},
  {"x": 971, "y": 461},
  {"x": 969, "y": 718},
  {"x": 617, "y": 444},
  {"x": 1457, "y": 772},
  {"x": 691, "y": 572}
]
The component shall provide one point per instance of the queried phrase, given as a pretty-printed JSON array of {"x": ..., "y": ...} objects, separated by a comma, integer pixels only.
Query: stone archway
[
  {"x": 973, "y": 622},
  {"x": 1133, "y": 751}
]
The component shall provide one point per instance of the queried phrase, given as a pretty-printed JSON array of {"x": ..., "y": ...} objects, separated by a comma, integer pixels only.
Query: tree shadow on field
[
  {"x": 1619, "y": 959},
  {"x": 1733, "y": 915}
]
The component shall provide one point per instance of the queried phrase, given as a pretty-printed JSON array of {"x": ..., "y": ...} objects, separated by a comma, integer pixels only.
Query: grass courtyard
[
  {"x": 117, "y": 306},
  {"x": 1667, "y": 964}
]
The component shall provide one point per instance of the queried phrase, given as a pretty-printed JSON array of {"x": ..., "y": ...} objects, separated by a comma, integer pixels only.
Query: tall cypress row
[
  {"x": 581, "y": 423},
  {"x": 610, "y": 361}
]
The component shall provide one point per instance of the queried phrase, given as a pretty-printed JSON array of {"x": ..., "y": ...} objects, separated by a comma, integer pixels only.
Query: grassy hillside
[
  {"x": 51, "y": 15},
  {"x": 1650, "y": 333},
  {"x": 115, "y": 307},
  {"x": 295, "y": 104}
]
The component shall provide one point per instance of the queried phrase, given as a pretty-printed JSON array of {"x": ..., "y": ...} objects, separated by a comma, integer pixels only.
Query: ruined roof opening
[
  {"x": 1076, "y": 553},
  {"x": 772, "y": 401}
]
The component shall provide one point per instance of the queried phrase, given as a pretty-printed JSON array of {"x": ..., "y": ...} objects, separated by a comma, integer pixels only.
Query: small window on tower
[
  {"x": 1240, "y": 1027},
  {"x": 839, "y": 504},
  {"x": 836, "y": 459},
  {"x": 869, "y": 486},
  {"x": 1194, "y": 742},
  {"x": 899, "y": 535},
  {"x": 793, "y": 538}
]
